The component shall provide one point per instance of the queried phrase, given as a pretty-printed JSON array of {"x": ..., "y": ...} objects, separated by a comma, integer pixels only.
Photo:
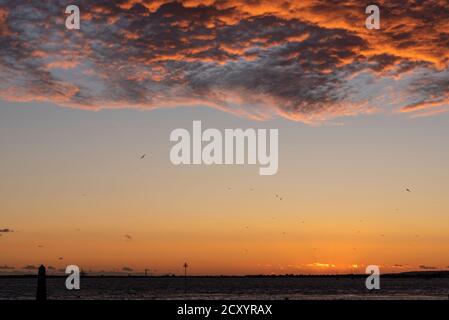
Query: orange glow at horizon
[{"x": 362, "y": 116}]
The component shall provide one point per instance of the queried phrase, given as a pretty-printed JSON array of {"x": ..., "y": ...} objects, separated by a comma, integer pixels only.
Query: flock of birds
[{"x": 277, "y": 197}]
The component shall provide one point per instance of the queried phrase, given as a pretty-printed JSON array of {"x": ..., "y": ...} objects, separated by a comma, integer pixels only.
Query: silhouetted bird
[
  {"x": 143, "y": 156},
  {"x": 408, "y": 190}
]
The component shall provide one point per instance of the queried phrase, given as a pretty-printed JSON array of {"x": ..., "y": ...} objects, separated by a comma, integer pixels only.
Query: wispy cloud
[
  {"x": 424, "y": 267},
  {"x": 30, "y": 267},
  {"x": 6, "y": 267},
  {"x": 321, "y": 265}
]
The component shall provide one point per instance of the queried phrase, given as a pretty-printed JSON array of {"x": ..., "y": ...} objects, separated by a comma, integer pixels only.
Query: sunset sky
[{"x": 362, "y": 117}]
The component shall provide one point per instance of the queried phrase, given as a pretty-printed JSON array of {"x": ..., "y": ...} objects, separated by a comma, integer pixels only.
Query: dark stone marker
[{"x": 41, "y": 294}]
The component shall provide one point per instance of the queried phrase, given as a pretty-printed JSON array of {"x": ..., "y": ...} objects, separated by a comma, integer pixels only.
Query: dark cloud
[
  {"x": 433, "y": 91},
  {"x": 424, "y": 267},
  {"x": 303, "y": 60},
  {"x": 30, "y": 267},
  {"x": 6, "y": 267}
]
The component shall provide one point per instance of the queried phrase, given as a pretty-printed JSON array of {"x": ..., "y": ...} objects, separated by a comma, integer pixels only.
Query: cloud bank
[
  {"x": 30, "y": 267},
  {"x": 308, "y": 60}
]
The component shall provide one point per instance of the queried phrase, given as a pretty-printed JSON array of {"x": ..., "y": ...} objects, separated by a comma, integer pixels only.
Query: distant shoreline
[{"x": 410, "y": 274}]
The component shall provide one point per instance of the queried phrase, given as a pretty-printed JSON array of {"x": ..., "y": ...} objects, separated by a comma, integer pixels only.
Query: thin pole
[{"x": 185, "y": 276}]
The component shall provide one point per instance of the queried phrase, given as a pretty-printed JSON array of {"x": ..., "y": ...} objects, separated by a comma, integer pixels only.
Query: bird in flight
[
  {"x": 142, "y": 156},
  {"x": 408, "y": 190}
]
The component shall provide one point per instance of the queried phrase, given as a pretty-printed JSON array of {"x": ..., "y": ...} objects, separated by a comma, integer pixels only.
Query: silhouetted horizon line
[{"x": 412, "y": 274}]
